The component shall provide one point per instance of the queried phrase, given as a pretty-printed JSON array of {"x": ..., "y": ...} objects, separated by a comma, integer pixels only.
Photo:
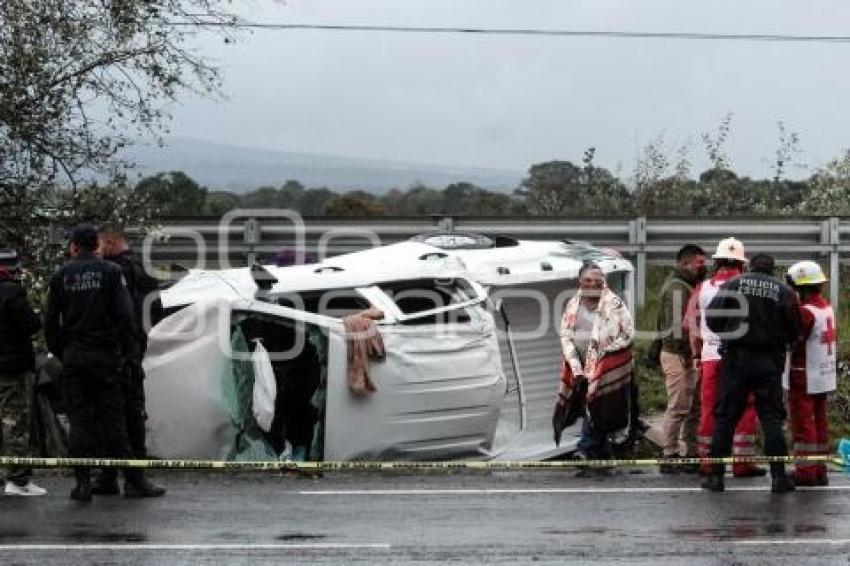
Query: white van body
[{"x": 473, "y": 378}]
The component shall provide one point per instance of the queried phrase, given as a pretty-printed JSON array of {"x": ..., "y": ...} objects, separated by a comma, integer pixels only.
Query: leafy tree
[
  {"x": 355, "y": 203},
  {"x": 420, "y": 199},
  {"x": 721, "y": 192},
  {"x": 263, "y": 197},
  {"x": 218, "y": 203},
  {"x": 290, "y": 193},
  {"x": 393, "y": 201},
  {"x": 828, "y": 191},
  {"x": 312, "y": 202},
  {"x": 43, "y": 244},
  {"x": 715, "y": 144},
  {"x": 603, "y": 194},
  {"x": 456, "y": 197},
  {"x": 175, "y": 193},
  {"x": 78, "y": 81},
  {"x": 489, "y": 203},
  {"x": 556, "y": 188},
  {"x": 551, "y": 188}
]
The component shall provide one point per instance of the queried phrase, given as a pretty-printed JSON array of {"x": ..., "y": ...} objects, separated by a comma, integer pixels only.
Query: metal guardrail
[{"x": 246, "y": 237}]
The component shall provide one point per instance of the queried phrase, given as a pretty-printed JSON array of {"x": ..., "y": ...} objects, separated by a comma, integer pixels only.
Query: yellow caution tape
[{"x": 8, "y": 461}]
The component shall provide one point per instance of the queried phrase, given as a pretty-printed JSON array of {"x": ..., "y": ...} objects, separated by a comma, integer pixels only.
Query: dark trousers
[
  {"x": 15, "y": 422},
  {"x": 760, "y": 374},
  {"x": 594, "y": 445},
  {"x": 134, "y": 418},
  {"x": 94, "y": 393}
]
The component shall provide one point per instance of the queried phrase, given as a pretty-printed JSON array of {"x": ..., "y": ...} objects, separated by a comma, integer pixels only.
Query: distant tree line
[
  {"x": 660, "y": 185},
  {"x": 553, "y": 188}
]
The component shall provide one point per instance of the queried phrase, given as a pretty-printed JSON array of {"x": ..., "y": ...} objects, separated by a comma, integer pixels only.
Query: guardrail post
[
  {"x": 446, "y": 224},
  {"x": 251, "y": 238},
  {"x": 637, "y": 237},
  {"x": 834, "y": 263}
]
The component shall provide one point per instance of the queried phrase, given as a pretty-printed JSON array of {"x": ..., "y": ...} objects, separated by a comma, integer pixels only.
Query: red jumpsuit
[
  {"x": 704, "y": 346},
  {"x": 813, "y": 355}
]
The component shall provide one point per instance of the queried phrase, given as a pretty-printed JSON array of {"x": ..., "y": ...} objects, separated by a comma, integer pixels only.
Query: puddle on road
[
  {"x": 14, "y": 536},
  {"x": 747, "y": 530},
  {"x": 587, "y": 531},
  {"x": 104, "y": 537},
  {"x": 299, "y": 536}
]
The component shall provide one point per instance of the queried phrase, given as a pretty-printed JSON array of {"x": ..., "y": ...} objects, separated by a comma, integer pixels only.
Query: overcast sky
[{"x": 507, "y": 102}]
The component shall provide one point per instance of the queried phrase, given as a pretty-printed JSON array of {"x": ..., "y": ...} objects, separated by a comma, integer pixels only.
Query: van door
[
  {"x": 439, "y": 390},
  {"x": 190, "y": 367}
]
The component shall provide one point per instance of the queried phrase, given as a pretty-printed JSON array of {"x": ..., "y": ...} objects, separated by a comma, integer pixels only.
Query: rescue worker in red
[
  {"x": 813, "y": 374},
  {"x": 729, "y": 262}
]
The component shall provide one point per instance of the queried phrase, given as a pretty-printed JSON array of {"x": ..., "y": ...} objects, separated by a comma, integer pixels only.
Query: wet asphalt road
[{"x": 460, "y": 517}]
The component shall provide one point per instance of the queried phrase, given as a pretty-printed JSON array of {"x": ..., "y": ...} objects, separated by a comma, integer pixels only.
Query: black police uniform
[
  {"x": 89, "y": 325},
  {"x": 754, "y": 347},
  {"x": 142, "y": 289},
  {"x": 18, "y": 323}
]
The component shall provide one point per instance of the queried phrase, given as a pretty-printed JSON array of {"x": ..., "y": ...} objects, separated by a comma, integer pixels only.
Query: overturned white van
[{"x": 469, "y": 330}]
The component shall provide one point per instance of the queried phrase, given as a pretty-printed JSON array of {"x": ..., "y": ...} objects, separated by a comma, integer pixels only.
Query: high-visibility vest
[
  {"x": 821, "y": 352},
  {"x": 710, "y": 341}
]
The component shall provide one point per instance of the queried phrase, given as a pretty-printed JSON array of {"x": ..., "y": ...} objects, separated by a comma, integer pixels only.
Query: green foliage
[
  {"x": 662, "y": 185},
  {"x": 64, "y": 62},
  {"x": 558, "y": 188},
  {"x": 80, "y": 80},
  {"x": 218, "y": 203},
  {"x": 653, "y": 393},
  {"x": 175, "y": 193},
  {"x": 828, "y": 190},
  {"x": 354, "y": 204},
  {"x": 42, "y": 241}
]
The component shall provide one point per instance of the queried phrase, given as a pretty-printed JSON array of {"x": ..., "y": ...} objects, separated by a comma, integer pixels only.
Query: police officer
[
  {"x": 143, "y": 290},
  {"x": 757, "y": 319},
  {"x": 18, "y": 323},
  {"x": 89, "y": 326}
]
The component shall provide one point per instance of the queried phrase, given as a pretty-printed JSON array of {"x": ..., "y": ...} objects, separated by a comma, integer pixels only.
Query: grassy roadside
[{"x": 651, "y": 381}]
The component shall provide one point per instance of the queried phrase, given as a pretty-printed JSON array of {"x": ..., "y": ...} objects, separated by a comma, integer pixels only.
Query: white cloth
[{"x": 265, "y": 388}]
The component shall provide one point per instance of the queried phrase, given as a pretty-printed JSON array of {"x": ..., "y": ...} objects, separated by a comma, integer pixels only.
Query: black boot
[
  {"x": 668, "y": 469},
  {"x": 83, "y": 490},
  {"x": 142, "y": 487},
  {"x": 106, "y": 483},
  {"x": 781, "y": 483},
  {"x": 714, "y": 481}
]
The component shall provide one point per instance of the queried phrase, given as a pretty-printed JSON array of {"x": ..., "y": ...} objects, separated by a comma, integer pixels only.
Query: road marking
[
  {"x": 191, "y": 547},
  {"x": 767, "y": 542},
  {"x": 550, "y": 491}
]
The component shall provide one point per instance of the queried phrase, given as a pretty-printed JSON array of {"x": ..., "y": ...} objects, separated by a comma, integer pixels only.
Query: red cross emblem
[{"x": 827, "y": 337}]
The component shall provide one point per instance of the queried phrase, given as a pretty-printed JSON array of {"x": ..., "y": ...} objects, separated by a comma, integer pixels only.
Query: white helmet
[
  {"x": 730, "y": 248},
  {"x": 806, "y": 273}
]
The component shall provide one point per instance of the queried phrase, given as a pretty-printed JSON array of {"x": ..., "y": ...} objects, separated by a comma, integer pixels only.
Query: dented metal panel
[{"x": 439, "y": 393}]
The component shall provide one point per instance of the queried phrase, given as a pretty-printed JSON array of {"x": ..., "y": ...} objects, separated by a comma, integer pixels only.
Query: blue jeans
[{"x": 593, "y": 445}]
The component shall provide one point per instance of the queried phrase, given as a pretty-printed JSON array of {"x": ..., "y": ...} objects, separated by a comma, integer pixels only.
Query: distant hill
[{"x": 239, "y": 169}]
